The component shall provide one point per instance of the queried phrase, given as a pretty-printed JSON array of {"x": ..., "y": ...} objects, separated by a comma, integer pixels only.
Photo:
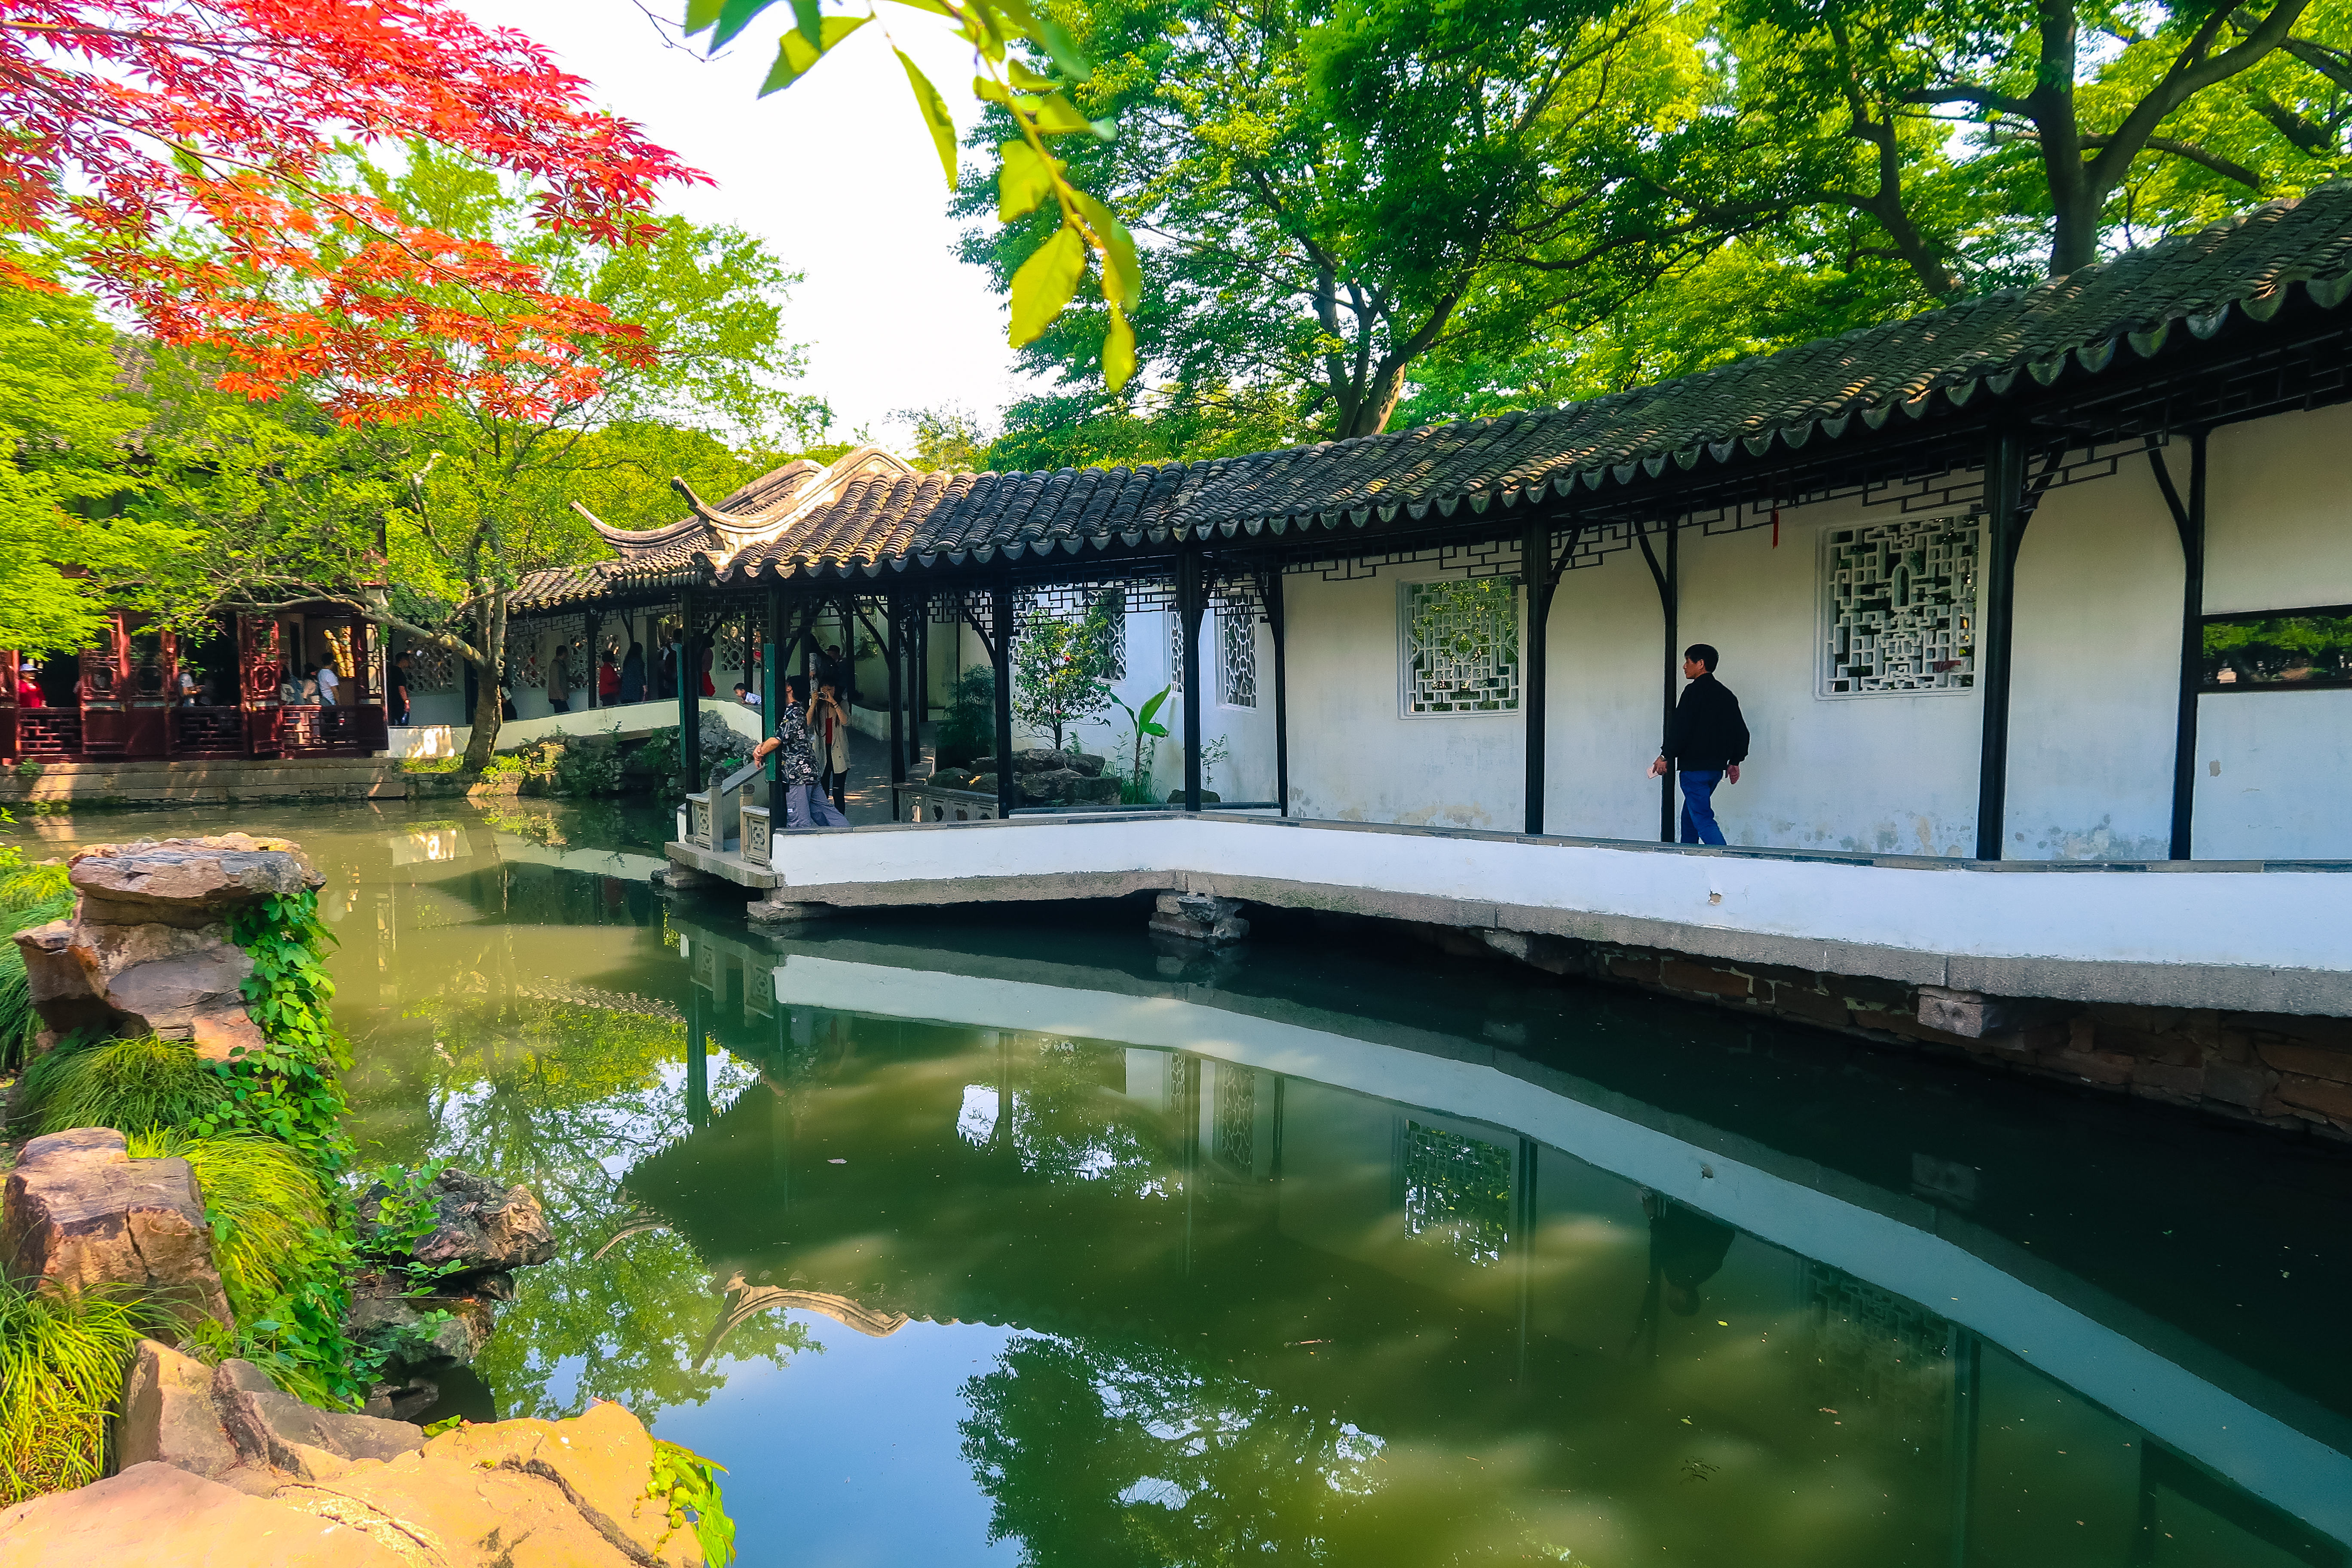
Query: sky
[{"x": 837, "y": 173}]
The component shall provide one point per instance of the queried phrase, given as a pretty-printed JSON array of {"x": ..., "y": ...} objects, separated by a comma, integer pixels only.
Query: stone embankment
[{"x": 221, "y": 1472}]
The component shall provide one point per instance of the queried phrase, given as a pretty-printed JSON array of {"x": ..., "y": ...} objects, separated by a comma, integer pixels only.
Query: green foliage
[
  {"x": 61, "y": 1361},
  {"x": 1135, "y": 786},
  {"x": 406, "y": 1213},
  {"x": 690, "y": 1484},
  {"x": 133, "y": 1085},
  {"x": 289, "y": 1089},
  {"x": 283, "y": 1256},
  {"x": 66, "y": 420},
  {"x": 559, "y": 765},
  {"x": 29, "y": 896},
  {"x": 1060, "y": 668},
  {"x": 968, "y": 729},
  {"x": 949, "y": 439}
]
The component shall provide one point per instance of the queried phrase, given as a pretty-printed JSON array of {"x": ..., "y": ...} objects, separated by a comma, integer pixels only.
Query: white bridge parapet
[{"x": 2244, "y": 936}]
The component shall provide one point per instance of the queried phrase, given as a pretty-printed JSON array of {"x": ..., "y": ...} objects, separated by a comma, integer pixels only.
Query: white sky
[{"x": 836, "y": 172}]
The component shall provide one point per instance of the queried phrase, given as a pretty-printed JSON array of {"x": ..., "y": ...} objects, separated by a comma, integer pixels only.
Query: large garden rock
[
  {"x": 187, "y": 881},
  {"x": 506, "y": 1494},
  {"x": 80, "y": 1213},
  {"x": 482, "y": 1227},
  {"x": 231, "y": 1424},
  {"x": 156, "y": 1515},
  {"x": 147, "y": 948}
]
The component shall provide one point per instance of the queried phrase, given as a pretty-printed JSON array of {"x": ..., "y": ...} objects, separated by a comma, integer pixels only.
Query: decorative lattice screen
[
  {"x": 1236, "y": 655},
  {"x": 1175, "y": 651},
  {"x": 1898, "y": 607},
  {"x": 1461, "y": 652},
  {"x": 1457, "y": 1192},
  {"x": 432, "y": 669}
]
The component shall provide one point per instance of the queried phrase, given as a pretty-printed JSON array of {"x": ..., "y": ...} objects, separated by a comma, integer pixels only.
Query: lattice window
[
  {"x": 1175, "y": 651},
  {"x": 1236, "y": 1119},
  {"x": 1457, "y": 1192},
  {"x": 1881, "y": 1359},
  {"x": 1461, "y": 652},
  {"x": 1898, "y": 607},
  {"x": 1236, "y": 655}
]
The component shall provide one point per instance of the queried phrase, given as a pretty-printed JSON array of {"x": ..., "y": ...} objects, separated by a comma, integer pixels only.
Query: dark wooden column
[
  {"x": 1668, "y": 578},
  {"x": 2189, "y": 522},
  {"x": 690, "y": 698},
  {"x": 1000, "y": 649},
  {"x": 1274, "y": 612},
  {"x": 2004, "y": 529},
  {"x": 1534, "y": 570},
  {"x": 1188, "y": 618},
  {"x": 894, "y": 616},
  {"x": 773, "y": 658}
]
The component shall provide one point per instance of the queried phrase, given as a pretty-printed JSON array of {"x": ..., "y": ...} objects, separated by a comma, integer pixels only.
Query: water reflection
[{"x": 965, "y": 1243}]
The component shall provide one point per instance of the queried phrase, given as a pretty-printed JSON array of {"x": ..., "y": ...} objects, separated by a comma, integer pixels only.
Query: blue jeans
[
  {"x": 805, "y": 805},
  {"x": 1698, "y": 807}
]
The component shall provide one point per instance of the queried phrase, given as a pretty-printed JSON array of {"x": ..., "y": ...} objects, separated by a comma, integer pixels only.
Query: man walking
[{"x": 1707, "y": 739}]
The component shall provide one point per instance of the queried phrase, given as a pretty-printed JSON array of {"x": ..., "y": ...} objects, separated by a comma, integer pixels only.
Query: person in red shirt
[{"x": 608, "y": 681}]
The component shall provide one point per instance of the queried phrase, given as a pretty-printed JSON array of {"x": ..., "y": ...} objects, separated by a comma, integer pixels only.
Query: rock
[
  {"x": 185, "y": 881},
  {"x": 167, "y": 1413},
  {"x": 1199, "y": 917},
  {"x": 1092, "y": 766},
  {"x": 952, "y": 778},
  {"x": 1050, "y": 788},
  {"x": 147, "y": 950},
  {"x": 483, "y": 1227},
  {"x": 155, "y": 1516},
  {"x": 1039, "y": 761},
  {"x": 79, "y": 1213},
  {"x": 408, "y": 1329},
  {"x": 231, "y": 1424},
  {"x": 277, "y": 1433},
  {"x": 983, "y": 783},
  {"x": 1176, "y": 797},
  {"x": 1100, "y": 790},
  {"x": 773, "y": 911},
  {"x": 574, "y": 1490}
]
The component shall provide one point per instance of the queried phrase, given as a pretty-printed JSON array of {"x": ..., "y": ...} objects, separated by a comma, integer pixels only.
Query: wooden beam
[
  {"x": 1188, "y": 618},
  {"x": 2188, "y": 522},
  {"x": 1275, "y": 613},
  {"x": 999, "y": 650},
  {"x": 895, "y": 614},
  {"x": 1668, "y": 577},
  {"x": 1535, "y": 571}
]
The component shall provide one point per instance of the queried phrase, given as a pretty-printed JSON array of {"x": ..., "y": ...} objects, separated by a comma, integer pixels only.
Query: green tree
[
  {"x": 949, "y": 439},
  {"x": 1062, "y": 668},
  {"x": 1340, "y": 192},
  {"x": 429, "y": 525},
  {"x": 69, "y": 467}
]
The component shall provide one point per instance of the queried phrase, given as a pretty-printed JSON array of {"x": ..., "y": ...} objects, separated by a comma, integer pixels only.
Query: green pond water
[{"x": 1005, "y": 1239}]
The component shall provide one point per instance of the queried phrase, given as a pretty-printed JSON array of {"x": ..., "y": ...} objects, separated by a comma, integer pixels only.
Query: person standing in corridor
[{"x": 1707, "y": 739}]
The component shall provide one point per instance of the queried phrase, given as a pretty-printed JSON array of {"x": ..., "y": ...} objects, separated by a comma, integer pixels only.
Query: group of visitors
[
  {"x": 322, "y": 688},
  {"x": 811, "y": 750}
]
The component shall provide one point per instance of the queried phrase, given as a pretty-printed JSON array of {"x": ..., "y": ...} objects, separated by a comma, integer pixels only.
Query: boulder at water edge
[
  {"x": 481, "y": 1227},
  {"x": 147, "y": 948}
]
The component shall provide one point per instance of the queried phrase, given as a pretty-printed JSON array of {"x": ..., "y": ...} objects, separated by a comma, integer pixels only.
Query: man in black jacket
[{"x": 1707, "y": 739}]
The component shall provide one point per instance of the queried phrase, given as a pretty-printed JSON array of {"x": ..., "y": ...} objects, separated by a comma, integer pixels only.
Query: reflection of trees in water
[
  {"x": 1107, "y": 1457},
  {"x": 1068, "y": 1122},
  {"x": 567, "y": 1098}
]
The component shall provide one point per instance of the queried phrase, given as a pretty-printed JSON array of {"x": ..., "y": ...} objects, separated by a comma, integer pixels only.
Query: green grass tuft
[
  {"x": 130, "y": 1085},
  {"x": 61, "y": 1364},
  {"x": 267, "y": 1208},
  {"x": 29, "y": 896}
]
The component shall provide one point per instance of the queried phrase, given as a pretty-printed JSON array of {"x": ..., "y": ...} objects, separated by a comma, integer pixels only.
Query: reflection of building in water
[
  {"x": 1889, "y": 1361},
  {"x": 1457, "y": 1190}
]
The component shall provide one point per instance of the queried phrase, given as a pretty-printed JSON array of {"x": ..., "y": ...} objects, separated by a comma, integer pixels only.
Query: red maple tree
[{"x": 187, "y": 146}]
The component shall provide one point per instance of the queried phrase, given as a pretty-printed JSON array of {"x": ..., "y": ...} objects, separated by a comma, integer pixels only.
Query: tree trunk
[{"x": 490, "y": 623}]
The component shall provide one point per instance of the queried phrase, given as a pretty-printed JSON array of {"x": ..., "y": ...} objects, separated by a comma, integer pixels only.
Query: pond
[{"x": 1003, "y": 1237}]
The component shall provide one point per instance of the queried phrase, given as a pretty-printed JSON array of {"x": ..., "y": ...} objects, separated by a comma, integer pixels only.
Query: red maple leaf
[{"x": 139, "y": 120}]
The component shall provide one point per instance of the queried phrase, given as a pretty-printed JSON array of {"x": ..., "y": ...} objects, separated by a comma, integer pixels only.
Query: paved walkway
[{"x": 868, "y": 794}]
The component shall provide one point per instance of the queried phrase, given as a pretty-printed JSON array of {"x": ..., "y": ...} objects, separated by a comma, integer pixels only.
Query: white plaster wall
[
  {"x": 1352, "y": 755},
  {"x": 2278, "y": 794},
  {"x": 2278, "y": 511},
  {"x": 1605, "y": 702},
  {"x": 2095, "y": 678}
]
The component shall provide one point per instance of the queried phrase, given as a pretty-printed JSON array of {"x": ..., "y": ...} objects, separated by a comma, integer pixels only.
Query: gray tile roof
[{"x": 2116, "y": 313}]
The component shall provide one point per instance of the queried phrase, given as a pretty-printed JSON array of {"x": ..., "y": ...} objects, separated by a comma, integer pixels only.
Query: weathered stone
[
  {"x": 1087, "y": 764},
  {"x": 482, "y": 1225},
  {"x": 1048, "y": 786},
  {"x": 1040, "y": 759},
  {"x": 168, "y": 1415},
  {"x": 78, "y": 1212},
  {"x": 279, "y": 1433},
  {"x": 187, "y": 881},
  {"x": 983, "y": 783},
  {"x": 951, "y": 778},
  {"x": 2310, "y": 1060},
  {"x": 423, "y": 1333},
  {"x": 153, "y": 1515},
  {"x": 1208, "y": 797},
  {"x": 1197, "y": 917},
  {"x": 773, "y": 911},
  {"x": 1101, "y": 789}
]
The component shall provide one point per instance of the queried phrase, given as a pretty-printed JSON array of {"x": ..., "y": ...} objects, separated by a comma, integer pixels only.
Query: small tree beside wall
[{"x": 1062, "y": 668}]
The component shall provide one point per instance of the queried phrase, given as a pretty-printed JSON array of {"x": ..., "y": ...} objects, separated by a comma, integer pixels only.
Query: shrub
[
  {"x": 29, "y": 896},
  {"x": 131, "y": 1085},
  {"x": 281, "y": 1255},
  {"x": 969, "y": 730},
  {"x": 61, "y": 1361}
]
